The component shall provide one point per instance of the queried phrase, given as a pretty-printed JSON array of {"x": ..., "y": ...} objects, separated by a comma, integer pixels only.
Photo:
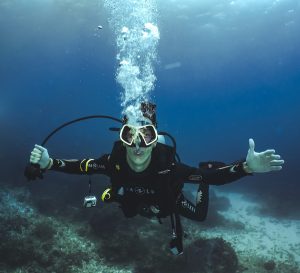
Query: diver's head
[{"x": 139, "y": 138}]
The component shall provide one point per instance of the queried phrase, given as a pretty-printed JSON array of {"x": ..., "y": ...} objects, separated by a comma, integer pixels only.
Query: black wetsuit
[{"x": 157, "y": 191}]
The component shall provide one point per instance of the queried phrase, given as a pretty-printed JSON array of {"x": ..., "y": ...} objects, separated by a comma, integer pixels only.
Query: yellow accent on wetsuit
[
  {"x": 80, "y": 164},
  {"x": 106, "y": 195},
  {"x": 86, "y": 164}
]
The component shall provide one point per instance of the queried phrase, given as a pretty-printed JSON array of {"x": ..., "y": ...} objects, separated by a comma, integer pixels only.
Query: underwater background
[{"x": 225, "y": 71}]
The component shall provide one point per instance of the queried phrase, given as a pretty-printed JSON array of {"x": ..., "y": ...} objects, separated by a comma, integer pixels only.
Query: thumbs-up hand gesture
[{"x": 263, "y": 162}]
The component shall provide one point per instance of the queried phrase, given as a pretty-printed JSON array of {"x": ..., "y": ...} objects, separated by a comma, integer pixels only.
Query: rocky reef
[{"x": 34, "y": 240}]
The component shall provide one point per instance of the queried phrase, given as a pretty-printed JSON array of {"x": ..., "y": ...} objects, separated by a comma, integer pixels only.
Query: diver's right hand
[{"x": 39, "y": 155}]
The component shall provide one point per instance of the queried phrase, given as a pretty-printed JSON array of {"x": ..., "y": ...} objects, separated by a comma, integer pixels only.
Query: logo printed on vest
[
  {"x": 95, "y": 166},
  {"x": 139, "y": 190}
]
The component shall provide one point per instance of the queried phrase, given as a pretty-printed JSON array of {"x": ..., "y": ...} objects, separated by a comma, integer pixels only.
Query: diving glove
[
  {"x": 39, "y": 155},
  {"x": 263, "y": 162}
]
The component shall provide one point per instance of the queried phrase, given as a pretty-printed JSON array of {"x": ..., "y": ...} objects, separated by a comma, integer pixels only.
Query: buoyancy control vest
[{"x": 154, "y": 186}]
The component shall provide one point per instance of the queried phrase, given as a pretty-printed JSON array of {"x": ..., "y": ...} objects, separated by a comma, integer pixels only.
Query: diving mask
[{"x": 144, "y": 136}]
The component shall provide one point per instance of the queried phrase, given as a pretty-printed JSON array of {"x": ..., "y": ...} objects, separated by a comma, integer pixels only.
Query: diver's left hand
[{"x": 263, "y": 162}]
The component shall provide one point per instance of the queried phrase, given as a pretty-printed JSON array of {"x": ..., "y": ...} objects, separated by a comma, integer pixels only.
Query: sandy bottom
[{"x": 262, "y": 239}]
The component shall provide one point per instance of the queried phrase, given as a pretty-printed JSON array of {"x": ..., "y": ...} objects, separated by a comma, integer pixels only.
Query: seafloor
[{"x": 38, "y": 235}]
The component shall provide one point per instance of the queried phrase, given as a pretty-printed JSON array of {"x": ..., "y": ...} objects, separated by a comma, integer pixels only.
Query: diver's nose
[{"x": 137, "y": 143}]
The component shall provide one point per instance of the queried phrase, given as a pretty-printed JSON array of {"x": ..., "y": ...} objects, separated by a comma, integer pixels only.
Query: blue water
[
  {"x": 235, "y": 75},
  {"x": 226, "y": 71}
]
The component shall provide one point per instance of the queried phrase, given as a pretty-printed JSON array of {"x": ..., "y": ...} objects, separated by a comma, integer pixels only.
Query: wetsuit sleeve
[
  {"x": 220, "y": 175},
  {"x": 84, "y": 166}
]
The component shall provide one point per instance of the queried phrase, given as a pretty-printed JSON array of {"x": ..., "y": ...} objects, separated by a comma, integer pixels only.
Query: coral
[
  {"x": 217, "y": 256},
  {"x": 269, "y": 265},
  {"x": 108, "y": 220},
  {"x": 46, "y": 206},
  {"x": 31, "y": 242},
  {"x": 16, "y": 223},
  {"x": 122, "y": 247},
  {"x": 44, "y": 230},
  {"x": 16, "y": 252},
  {"x": 94, "y": 266}
]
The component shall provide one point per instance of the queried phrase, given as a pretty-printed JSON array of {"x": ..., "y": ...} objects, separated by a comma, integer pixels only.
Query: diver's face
[
  {"x": 139, "y": 156},
  {"x": 139, "y": 143}
]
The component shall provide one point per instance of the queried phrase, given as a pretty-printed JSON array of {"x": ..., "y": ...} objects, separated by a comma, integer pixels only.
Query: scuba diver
[{"x": 147, "y": 178}]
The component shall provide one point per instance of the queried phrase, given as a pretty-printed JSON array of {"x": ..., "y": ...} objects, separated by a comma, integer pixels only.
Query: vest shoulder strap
[{"x": 164, "y": 156}]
